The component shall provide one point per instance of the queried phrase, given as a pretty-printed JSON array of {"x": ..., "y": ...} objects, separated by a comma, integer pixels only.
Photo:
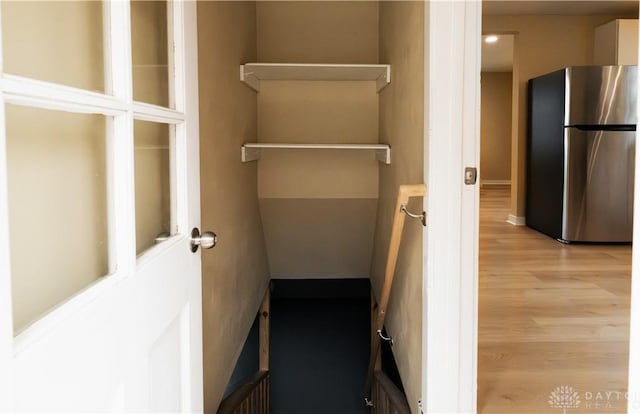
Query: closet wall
[
  {"x": 234, "y": 274},
  {"x": 402, "y": 126},
  {"x": 308, "y": 213},
  {"x": 318, "y": 206}
]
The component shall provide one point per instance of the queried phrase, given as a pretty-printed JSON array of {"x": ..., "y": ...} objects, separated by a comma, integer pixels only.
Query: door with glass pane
[{"x": 100, "y": 295}]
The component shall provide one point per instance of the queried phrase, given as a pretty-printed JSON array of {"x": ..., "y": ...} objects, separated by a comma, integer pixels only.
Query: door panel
[
  {"x": 599, "y": 186},
  {"x": 54, "y": 375},
  {"x": 166, "y": 381},
  {"x": 130, "y": 341}
]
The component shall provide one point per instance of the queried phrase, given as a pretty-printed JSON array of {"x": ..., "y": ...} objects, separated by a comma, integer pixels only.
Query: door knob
[{"x": 207, "y": 240}]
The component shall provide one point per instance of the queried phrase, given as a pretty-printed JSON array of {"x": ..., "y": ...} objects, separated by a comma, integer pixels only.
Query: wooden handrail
[
  {"x": 251, "y": 397},
  {"x": 405, "y": 192}
]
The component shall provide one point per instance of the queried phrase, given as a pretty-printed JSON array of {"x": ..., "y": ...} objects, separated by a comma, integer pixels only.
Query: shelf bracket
[
  {"x": 250, "y": 154},
  {"x": 250, "y": 79},
  {"x": 384, "y": 155},
  {"x": 383, "y": 80}
]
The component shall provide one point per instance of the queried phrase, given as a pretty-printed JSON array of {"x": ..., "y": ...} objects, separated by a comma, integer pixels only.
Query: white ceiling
[
  {"x": 498, "y": 56},
  {"x": 562, "y": 7}
]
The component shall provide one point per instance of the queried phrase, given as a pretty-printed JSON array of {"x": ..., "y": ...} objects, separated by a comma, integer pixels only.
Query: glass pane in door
[
  {"x": 57, "y": 206},
  {"x": 152, "y": 183},
  {"x": 150, "y": 48},
  {"x": 55, "y": 41}
]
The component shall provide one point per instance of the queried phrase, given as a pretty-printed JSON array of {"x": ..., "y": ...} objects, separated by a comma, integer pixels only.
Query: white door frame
[
  {"x": 633, "y": 402},
  {"x": 450, "y": 288},
  {"x": 452, "y": 136}
]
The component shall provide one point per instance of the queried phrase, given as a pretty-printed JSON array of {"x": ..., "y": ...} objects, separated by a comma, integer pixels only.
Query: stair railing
[
  {"x": 253, "y": 397},
  {"x": 388, "y": 398},
  {"x": 379, "y": 312}
]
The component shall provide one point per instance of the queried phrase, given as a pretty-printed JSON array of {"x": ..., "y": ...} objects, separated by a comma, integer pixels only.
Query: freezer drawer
[{"x": 598, "y": 186}]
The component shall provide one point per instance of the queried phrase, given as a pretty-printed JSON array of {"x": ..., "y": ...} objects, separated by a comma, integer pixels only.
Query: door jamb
[
  {"x": 452, "y": 134},
  {"x": 633, "y": 400}
]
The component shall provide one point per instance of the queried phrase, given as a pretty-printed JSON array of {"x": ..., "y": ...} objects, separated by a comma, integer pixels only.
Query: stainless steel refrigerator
[{"x": 581, "y": 153}]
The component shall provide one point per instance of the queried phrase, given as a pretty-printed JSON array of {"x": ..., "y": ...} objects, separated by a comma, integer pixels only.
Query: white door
[{"x": 98, "y": 158}]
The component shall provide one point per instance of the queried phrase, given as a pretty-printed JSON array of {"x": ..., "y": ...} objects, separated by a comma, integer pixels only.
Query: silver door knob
[{"x": 207, "y": 240}]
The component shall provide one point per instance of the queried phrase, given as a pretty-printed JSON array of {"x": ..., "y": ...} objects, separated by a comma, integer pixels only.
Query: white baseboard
[
  {"x": 516, "y": 221},
  {"x": 489, "y": 183}
]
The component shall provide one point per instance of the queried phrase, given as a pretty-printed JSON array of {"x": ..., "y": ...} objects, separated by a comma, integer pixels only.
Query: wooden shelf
[
  {"x": 253, "y": 73},
  {"x": 253, "y": 151}
]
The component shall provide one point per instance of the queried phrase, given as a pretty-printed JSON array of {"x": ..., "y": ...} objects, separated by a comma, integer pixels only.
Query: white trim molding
[
  {"x": 450, "y": 282},
  {"x": 633, "y": 402},
  {"x": 516, "y": 220}
]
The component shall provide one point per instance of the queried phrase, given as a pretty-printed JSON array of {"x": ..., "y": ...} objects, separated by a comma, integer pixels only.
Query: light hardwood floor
[{"x": 550, "y": 315}]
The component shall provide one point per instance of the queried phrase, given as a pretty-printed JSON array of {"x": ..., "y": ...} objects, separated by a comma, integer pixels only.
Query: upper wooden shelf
[
  {"x": 253, "y": 73},
  {"x": 253, "y": 150}
]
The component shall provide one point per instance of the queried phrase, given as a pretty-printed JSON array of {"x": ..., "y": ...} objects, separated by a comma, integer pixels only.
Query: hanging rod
[{"x": 422, "y": 217}]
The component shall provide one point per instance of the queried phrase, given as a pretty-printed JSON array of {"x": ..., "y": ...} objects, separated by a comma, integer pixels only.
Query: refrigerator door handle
[{"x": 609, "y": 127}]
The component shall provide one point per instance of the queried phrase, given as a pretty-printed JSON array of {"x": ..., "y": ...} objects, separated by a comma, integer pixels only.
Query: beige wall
[
  {"x": 318, "y": 207},
  {"x": 317, "y": 31},
  {"x": 542, "y": 44},
  {"x": 401, "y": 125},
  {"x": 495, "y": 126},
  {"x": 235, "y": 273}
]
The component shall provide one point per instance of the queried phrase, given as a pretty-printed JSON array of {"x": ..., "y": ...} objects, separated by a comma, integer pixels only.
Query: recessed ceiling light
[{"x": 491, "y": 39}]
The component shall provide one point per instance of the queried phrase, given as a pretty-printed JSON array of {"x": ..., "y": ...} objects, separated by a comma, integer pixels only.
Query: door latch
[{"x": 470, "y": 175}]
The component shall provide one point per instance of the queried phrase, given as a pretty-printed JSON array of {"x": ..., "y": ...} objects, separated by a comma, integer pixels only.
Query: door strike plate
[{"x": 470, "y": 175}]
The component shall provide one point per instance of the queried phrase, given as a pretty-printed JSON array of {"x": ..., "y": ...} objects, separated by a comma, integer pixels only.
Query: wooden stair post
[{"x": 265, "y": 318}]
